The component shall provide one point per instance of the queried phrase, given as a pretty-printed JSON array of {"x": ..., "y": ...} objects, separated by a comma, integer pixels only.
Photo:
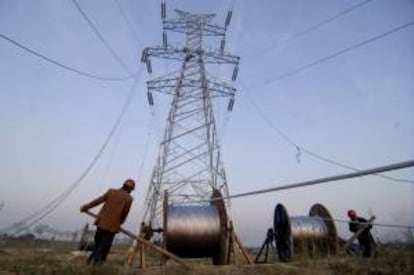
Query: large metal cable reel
[
  {"x": 197, "y": 231},
  {"x": 306, "y": 236}
]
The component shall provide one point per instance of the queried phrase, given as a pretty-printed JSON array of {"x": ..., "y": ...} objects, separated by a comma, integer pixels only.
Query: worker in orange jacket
[{"x": 115, "y": 209}]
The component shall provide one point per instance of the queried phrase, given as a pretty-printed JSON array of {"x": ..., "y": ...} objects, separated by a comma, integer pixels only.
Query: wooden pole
[
  {"x": 137, "y": 246},
  {"x": 231, "y": 248},
  {"x": 359, "y": 231},
  {"x": 239, "y": 244},
  {"x": 131, "y": 253},
  {"x": 142, "y": 255},
  {"x": 142, "y": 241}
]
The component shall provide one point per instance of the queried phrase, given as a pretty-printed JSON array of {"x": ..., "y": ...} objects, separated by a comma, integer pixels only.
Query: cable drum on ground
[
  {"x": 313, "y": 235},
  {"x": 192, "y": 231}
]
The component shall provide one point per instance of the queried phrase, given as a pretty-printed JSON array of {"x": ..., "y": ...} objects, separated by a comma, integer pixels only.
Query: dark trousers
[
  {"x": 103, "y": 243},
  {"x": 367, "y": 243}
]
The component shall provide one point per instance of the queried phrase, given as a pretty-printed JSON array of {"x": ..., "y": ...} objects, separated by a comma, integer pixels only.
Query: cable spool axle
[{"x": 311, "y": 236}]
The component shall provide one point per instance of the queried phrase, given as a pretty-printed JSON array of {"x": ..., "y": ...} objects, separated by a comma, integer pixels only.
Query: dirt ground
[{"x": 46, "y": 257}]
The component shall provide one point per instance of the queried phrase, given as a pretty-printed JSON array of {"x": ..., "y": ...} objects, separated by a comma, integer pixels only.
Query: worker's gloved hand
[{"x": 83, "y": 208}]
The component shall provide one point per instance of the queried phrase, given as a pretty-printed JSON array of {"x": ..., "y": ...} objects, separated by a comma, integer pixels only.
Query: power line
[
  {"x": 146, "y": 145},
  {"x": 41, "y": 213},
  {"x": 103, "y": 40},
  {"x": 334, "y": 55},
  {"x": 59, "y": 64},
  {"x": 111, "y": 153},
  {"x": 127, "y": 22},
  {"x": 360, "y": 173},
  {"x": 315, "y": 26},
  {"x": 353, "y": 168},
  {"x": 300, "y": 148},
  {"x": 371, "y": 223},
  {"x": 376, "y": 224},
  {"x": 334, "y": 17}
]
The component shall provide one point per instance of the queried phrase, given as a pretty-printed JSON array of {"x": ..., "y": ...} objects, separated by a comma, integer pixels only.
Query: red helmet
[
  {"x": 352, "y": 214},
  {"x": 129, "y": 183}
]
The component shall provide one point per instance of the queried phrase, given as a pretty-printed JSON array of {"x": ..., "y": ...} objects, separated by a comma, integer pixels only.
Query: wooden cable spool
[{"x": 311, "y": 236}]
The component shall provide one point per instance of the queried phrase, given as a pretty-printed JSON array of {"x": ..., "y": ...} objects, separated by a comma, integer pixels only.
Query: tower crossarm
[
  {"x": 164, "y": 52},
  {"x": 167, "y": 86},
  {"x": 220, "y": 89},
  {"x": 209, "y": 57},
  {"x": 200, "y": 17},
  {"x": 188, "y": 22},
  {"x": 215, "y": 57},
  {"x": 182, "y": 26}
]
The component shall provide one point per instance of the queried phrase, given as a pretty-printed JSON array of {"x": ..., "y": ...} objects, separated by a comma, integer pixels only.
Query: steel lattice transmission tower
[{"x": 189, "y": 165}]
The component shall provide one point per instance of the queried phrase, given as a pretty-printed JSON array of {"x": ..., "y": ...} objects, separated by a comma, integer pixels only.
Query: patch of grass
[{"x": 55, "y": 258}]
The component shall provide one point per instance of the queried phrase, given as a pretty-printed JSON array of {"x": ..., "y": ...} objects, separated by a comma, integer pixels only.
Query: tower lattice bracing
[{"x": 189, "y": 165}]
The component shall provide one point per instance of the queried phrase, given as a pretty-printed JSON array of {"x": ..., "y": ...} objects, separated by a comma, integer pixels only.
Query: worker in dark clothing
[
  {"x": 113, "y": 213},
  {"x": 365, "y": 239}
]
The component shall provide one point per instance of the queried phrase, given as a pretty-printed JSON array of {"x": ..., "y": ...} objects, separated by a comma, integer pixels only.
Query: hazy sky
[{"x": 355, "y": 108}]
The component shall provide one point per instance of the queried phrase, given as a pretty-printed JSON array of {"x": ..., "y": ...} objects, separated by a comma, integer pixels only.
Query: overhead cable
[
  {"x": 314, "y": 27},
  {"x": 335, "y": 54},
  {"x": 360, "y": 173},
  {"x": 146, "y": 145},
  {"x": 127, "y": 22},
  {"x": 59, "y": 64},
  {"x": 374, "y": 224},
  {"x": 102, "y": 39},
  {"x": 301, "y": 149},
  {"x": 41, "y": 213},
  {"x": 334, "y": 17},
  {"x": 111, "y": 155}
]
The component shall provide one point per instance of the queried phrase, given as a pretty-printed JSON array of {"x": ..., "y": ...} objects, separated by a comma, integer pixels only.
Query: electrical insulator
[
  {"x": 231, "y": 104},
  {"x": 149, "y": 67},
  {"x": 223, "y": 43},
  {"x": 150, "y": 99},
  {"x": 228, "y": 18},
  {"x": 144, "y": 55},
  {"x": 164, "y": 39},
  {"x": 235, "y": 72},
  {"x": 163, "y": 10}
]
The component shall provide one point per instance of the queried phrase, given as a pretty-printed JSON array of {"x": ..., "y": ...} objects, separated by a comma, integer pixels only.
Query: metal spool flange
[
  {"x": 283, "y": 234},
  {"x": 321, "y": 211}
]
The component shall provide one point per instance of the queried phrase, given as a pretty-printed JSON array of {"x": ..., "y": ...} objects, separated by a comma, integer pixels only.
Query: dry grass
[{"x": 42, "y": 257}]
